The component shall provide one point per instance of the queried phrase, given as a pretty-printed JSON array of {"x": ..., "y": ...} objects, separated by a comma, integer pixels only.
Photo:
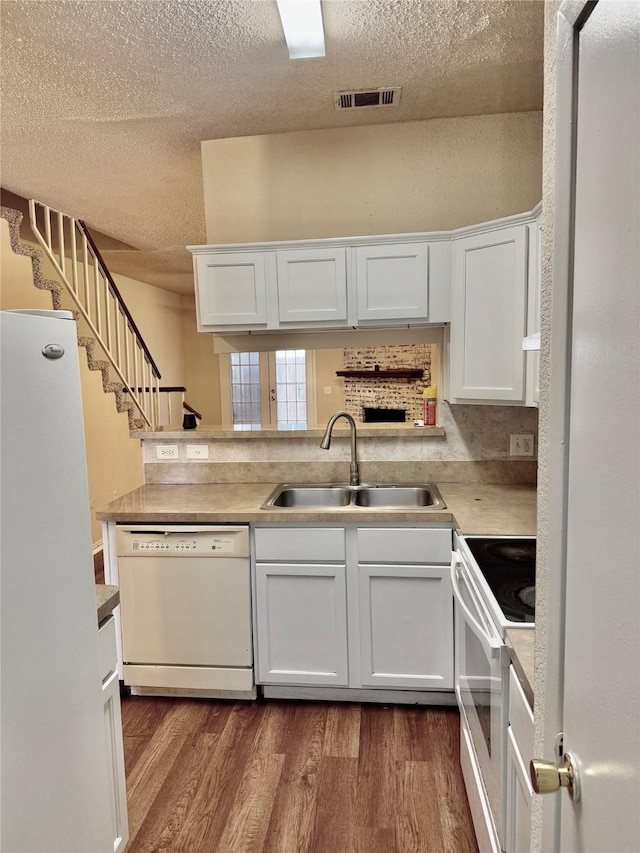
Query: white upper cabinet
[
  {"x": 488, "y": 316},
  {"x": 532, "y": 355},
  {"x": 392, "y": 282},
  {"x": 474, "y": 278},
  {"x": 399, "y": 284},
  {"x": 330, "y": 284},
  {"x": 312, "y": 286},
  {"x": 231, "y": 289}
]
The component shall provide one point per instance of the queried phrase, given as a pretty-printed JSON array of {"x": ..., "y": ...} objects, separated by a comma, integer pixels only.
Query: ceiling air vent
[{"x": 361, "y": 98}]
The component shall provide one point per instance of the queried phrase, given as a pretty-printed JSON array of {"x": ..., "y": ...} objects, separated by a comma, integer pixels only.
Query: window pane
[
  {"x": 291, "y": 389},
  {"x": 245, "y": 389}
]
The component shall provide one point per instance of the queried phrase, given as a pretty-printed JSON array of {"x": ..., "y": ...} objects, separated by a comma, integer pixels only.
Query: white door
[{"x": 595, "y": 662}]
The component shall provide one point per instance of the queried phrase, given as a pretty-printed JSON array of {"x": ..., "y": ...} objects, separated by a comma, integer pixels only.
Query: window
[
  {"x": 245, "y": 390},
  {"x": 267, "y": 389},
  {"x": 291, "y": 389}
]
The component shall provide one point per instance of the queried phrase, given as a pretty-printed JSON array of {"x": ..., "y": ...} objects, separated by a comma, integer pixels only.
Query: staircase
[{"x": 106, "y": 329}]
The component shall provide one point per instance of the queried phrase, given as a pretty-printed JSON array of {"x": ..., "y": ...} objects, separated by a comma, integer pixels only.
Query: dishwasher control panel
[{"x": 171, "y": 541}]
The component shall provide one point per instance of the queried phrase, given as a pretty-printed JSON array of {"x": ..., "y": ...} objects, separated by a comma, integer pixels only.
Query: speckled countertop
[
  {"x": 486, "y": 508},
  {"x": 107, "y": 599},
  {"x": 520, "y": 642}
]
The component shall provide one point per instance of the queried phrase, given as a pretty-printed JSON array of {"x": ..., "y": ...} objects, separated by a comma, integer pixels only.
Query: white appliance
[
  {"x": 486, "y": 602},
  {"x": 54, "y": 789},
  {"x": 185, "y": 602}
]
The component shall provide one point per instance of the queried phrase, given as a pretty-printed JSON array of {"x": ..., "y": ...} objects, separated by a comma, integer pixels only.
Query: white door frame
[{"x": 554, "y": 424}]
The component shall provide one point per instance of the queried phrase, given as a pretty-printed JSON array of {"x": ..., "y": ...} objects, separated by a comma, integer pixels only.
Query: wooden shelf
[{"x": 400, "y": 373}]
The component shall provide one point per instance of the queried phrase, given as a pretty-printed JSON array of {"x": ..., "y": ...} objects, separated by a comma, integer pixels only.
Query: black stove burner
[
  {"x": 511, "y": 551},
  {"x": 528, "y": 597},
  {"x": 509, "y": 567}
]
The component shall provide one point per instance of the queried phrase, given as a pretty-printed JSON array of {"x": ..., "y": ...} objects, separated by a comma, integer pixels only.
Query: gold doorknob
[{"x": 547, "y": 777}]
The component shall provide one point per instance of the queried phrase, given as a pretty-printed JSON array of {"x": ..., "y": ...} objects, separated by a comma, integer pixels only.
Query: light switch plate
[{"x": 197, "y": 451}]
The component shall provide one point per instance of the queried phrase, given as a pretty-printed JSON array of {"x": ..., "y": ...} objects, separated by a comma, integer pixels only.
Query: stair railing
[
  {"x": 169, "y": 391},
  {"x": 76, "y": 259}
]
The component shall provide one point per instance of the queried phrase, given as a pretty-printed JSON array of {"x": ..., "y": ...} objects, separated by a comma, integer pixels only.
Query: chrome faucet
[{"x": 325, "y": 444}]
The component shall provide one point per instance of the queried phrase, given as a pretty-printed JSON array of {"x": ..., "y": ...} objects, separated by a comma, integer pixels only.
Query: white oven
[
  {"x": 481, "y": 684},
  {"x": 493, "y": 579}
]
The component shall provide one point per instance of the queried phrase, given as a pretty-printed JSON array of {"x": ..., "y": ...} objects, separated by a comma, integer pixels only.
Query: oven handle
[{"x": 492, "y": 643}]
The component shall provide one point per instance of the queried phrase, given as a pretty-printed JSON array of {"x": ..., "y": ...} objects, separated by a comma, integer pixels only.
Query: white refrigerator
[{"x": 54, "y": 789}]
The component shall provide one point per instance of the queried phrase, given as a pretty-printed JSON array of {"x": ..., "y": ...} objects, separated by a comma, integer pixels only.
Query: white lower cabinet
[
  {"x": 375, "y": 613},
  {"x": 301, "y": 617},
  {"x": 113, "y": 733},
  {"x": 518, "y": 785},
  {"x": 406, "y": 628}
]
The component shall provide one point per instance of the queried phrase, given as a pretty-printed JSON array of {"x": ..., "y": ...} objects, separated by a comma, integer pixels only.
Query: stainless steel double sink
[{"x": 312, "y": 496}]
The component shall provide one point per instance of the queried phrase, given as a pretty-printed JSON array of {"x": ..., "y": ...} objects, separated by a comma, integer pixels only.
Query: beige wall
[
  {"x": 157, "y": 313},
  {"x": 327, "y": 362},
  {"x": 402, "y": 177},
  {"x": 203, "y": 370},
  {"x": 114, "y": 461}
]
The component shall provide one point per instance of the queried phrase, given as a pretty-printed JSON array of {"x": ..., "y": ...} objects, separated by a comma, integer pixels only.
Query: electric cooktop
[{"x": 509, "y": 567}]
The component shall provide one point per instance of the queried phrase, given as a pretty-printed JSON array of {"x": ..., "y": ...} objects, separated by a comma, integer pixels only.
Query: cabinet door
[
  {"x": 533, "y": 311},
  {"x": 519, "y": 794},
  {"x": 301, "y": 619},
  {"x": 392, "y": 283},
  {"x": 117, "y": 787},
  {"x": 406, "y": 626},
  {"x": 488, "y": 316},
  {"x": 312, "y": 286},
  {"x": 231, "y": 289}
]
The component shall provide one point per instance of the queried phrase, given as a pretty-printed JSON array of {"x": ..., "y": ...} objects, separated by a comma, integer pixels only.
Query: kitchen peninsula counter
[
  {"x": 485, "y": 508},
  {"x": 520, "y": 643},
  {"x": 107, "y": 599}
]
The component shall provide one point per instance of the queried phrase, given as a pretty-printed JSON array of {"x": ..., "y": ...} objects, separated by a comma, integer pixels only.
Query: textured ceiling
[{"x": 105, "y": 102}]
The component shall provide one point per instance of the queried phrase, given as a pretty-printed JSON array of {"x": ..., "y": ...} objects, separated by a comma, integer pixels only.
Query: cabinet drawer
[
  {"x": 300, "y": 543},
  {"x": 404, "y": 545},
  {"x": 108, "y": 650},
  {"x": 520, "y": 717}
]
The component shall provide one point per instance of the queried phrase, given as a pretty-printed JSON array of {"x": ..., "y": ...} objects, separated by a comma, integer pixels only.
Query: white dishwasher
[{"x": 185, "y": 601}]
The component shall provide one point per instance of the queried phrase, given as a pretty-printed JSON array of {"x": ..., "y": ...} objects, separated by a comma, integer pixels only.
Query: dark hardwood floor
[{"x": 286, "y": 777}]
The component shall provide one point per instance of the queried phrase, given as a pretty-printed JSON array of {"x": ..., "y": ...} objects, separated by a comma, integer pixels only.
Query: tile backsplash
[{"x": 473, "y": 444}]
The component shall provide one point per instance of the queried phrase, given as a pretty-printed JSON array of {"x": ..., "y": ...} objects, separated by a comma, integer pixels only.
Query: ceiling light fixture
[{"x": 302, "y": 25}]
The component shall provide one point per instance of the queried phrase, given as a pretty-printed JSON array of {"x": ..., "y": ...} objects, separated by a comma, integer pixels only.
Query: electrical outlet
[
  {"x": 167, "y": 451},
  {"x": 327, "y": 389},
  {"x": 197, "y": 451},
  {"x": 521, "y": 445}
]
